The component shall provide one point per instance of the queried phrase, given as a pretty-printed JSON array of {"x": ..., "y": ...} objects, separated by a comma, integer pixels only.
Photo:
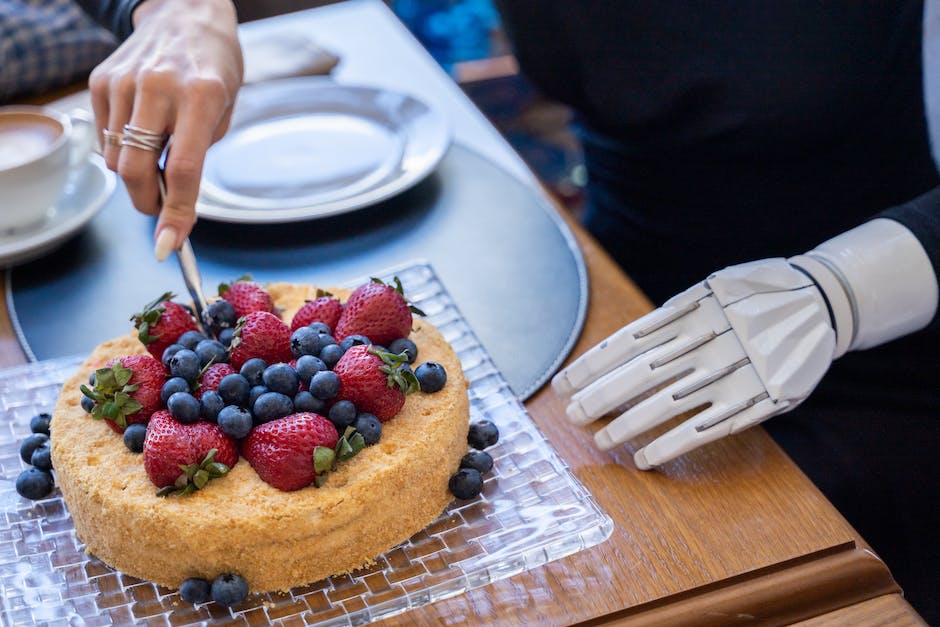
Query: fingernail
[{"x": 166, "y": 243}]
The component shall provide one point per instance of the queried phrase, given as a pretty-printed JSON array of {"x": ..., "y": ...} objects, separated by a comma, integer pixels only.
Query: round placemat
[{"x": 508, "y": 261}]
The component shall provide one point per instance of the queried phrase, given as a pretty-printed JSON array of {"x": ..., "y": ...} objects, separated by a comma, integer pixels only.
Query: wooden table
[{"x": 732, "y": 533}]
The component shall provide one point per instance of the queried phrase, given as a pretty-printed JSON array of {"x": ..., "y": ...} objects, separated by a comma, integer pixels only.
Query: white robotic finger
[
  {"x": 736, "y": 380},
  {"x": 708, "y": 426}
]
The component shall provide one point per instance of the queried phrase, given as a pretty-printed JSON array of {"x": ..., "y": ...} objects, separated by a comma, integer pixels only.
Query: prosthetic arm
[{"x": 751, "y": 341}]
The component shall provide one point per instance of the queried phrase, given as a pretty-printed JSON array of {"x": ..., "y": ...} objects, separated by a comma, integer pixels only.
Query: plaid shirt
[{"x": 45, "y": 44}]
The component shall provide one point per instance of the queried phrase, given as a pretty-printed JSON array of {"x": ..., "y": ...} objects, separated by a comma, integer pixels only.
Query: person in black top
[{"x": 715, "y": 132}]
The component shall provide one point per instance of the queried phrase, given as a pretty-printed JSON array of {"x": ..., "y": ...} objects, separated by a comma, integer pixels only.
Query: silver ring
[
  {"x": 136, "y": 137},
  {"x": 111, "y": 138}
]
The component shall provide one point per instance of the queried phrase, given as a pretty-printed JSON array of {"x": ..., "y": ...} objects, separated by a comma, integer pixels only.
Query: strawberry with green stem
[
  {"x": 161, "y": 323},
  {"x": 377, "y": 311},
  {"x": 126, "y": 390},
  {"x": 375, "y": 381}
]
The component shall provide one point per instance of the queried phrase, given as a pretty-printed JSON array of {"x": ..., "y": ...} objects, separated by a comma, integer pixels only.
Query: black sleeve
[{"x": 115, "y": 15}]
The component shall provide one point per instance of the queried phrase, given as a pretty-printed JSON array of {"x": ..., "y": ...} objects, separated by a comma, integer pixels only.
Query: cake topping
[
  {"x": 431, "y": 377},
  {"x": 325, "y": 459},
  {"x": 281, "y": 451},
  {"x": 377, "y": 311},
  {"x": 127, "y": 390},
  {"x": 161, "y": 323},
  {"x": 374, "y": 381},
  {"x": 263, "y": 335},
  {"x": 246, "y": 297},
  {"x": 324, "y": 308},
  {"x": 183, "y": 458}
]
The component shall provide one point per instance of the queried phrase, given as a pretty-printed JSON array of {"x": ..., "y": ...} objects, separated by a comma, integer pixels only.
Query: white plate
[
  {"x": 308, "y": 147},
  {"x": 85, "y": 193}
]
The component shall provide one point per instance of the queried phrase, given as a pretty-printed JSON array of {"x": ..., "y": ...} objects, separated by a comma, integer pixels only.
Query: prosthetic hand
[{"x": 751, "y": 341}]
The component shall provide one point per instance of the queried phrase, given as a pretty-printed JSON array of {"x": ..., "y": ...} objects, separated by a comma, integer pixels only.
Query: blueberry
[
  {"x": 30, "y": 444},
  {"x": 482, "y": 434},
  {"x": 225, "y": 336},
  {"x": 87, "y": 404},
  {"x": 305, "y": 401},
  {"x": 307, "y": 366},
  {"x": 94, "y": 377},
  {"x": 168, "y": 353},
  {"x": 271, "y": 406},
  {"x": 431, "y": 376},
  {"x": 40, "y": 423},
  {"x": 354, "y": 340},
  {"x": 325, "y": 384},
  {"x": 304, "y": 341},
  {"x": 235, "y": 422},
  {"x": 321, "y": 328},
  {"x": 195, "y": 590},
  {"x": 480, "y": 461},
  {"x": 342, "y": 415},
  {"x": 211, "y": 352},
  {"x": 281, "y": 378},
  {"x": 185, "y": 363},
  {"x": 330, "y": 354},
  {"x": 184, "y": 407},
  {"x": 220, "y": 314},
  {"x": 404, "y": 345},
  {"x": 134, "y": 437},
  {"x": 210, "y": 405},
  {"x": 253, "y": 369},
  {"x": 466, "y": 483},
  {"x": 369, "y": 426},
  {"x": 171, "y": 387},
  {"x": 42, "y": 457},
  {"x": 190, "y": 339},
  {"x": 234, "y": 389},
  {"x": 254, "y": 393},
  {"x": 34, "y": 484},
  {"x": 229, "y": 590}
]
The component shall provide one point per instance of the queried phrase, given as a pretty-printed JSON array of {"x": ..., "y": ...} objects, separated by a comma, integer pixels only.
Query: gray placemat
[{"x": 510, "y": 263}]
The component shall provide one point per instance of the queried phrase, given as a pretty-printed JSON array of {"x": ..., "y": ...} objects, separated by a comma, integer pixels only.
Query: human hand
[
  {"x": 749, "y": 342},
  {"x": 178, "y": 75}
]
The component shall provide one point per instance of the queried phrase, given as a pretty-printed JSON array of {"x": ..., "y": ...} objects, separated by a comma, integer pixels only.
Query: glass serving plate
[{"x": 532, "y": 510}]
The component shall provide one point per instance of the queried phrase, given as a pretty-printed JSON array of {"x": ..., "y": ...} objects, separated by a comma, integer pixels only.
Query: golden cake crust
[{"x": 239, "y": 524}]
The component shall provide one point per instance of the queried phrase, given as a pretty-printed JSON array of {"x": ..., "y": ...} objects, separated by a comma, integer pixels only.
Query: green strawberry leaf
[
  {"x": 195, "y": 476},
  {"x": 325, "y": 459}
]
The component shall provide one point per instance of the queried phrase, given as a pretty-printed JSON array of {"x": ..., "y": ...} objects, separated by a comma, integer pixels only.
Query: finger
[
  {"x": 738, "y": 381},
  {"x": 121, "y": 98},
  {"x": 623, "y": 384},
  {"x": 138, "y": 165},
  {"x": 689, "y": 435},
  {"x": 98, "y": 87},
  {"x": 193, "y": 135},
  {"x": 641, "y": 335}
]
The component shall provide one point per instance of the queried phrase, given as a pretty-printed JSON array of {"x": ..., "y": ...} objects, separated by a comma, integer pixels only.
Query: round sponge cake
[{"x": 240, "y": 524}]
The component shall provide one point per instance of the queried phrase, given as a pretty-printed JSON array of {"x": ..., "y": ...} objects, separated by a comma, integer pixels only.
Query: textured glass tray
[{"x": 532, "y": 510}]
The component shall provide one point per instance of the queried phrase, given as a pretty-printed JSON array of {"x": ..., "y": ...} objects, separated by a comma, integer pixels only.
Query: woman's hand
[{"x": 177, "y": 74}]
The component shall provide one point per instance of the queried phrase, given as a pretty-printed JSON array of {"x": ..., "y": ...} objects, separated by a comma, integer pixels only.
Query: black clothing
[{"x": 717, "y": 132}]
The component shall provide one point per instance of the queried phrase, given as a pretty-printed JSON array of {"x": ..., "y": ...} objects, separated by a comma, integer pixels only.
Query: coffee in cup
[{"x": 39, "y": 147}]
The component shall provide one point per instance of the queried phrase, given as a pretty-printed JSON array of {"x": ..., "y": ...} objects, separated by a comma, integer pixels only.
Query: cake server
[{"x": 187, "y": 260}]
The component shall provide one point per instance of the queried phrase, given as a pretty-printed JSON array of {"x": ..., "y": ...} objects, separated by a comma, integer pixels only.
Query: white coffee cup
[{"x": 39, "y": 148}]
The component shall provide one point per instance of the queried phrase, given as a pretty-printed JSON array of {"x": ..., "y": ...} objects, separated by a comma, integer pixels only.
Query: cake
[{"x": 238, "y": 523}]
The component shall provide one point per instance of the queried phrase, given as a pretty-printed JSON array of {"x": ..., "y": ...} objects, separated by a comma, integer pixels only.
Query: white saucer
[{"x": 85, "y": 193}]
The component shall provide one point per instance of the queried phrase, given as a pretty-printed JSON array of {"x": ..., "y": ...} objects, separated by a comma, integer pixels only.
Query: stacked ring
[
  {"x": 111, "y": 138},
  {"x": 137, "y": 137}
]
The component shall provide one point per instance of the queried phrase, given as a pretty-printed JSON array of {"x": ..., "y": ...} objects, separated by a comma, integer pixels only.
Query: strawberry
[
  {"x": 247, "y": 296},
  {"x": 183, "y": 458},
  {"x": 261, "y": 334},
  {"x": 324, "y": 308},
  {"x": 211, "y": 377},
  {"x": 374, "y": 381},
  {"x": 282, "y": 451},
  {"x": 161, "y": 323},
  {"x": 127, "y": 390},
  {"x": 377, "y": 311}
]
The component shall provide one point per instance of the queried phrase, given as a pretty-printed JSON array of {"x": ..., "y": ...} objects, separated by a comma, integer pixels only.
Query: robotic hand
[{"x": 751, "y": 341}]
